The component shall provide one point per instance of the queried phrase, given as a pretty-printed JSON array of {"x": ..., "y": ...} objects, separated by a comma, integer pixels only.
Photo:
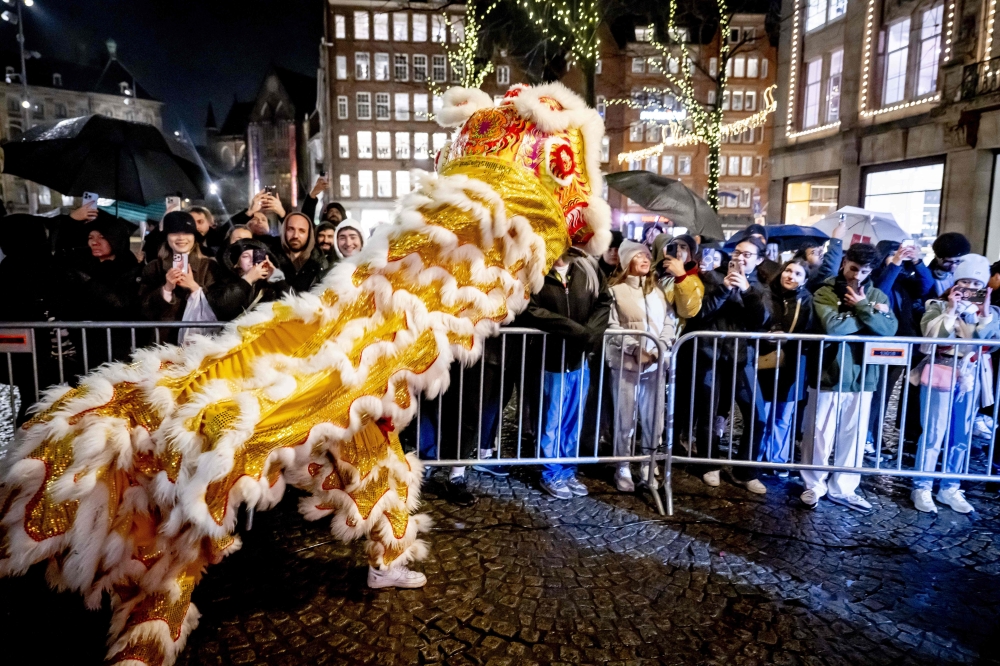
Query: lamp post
[{"x": 18, "y": 20}]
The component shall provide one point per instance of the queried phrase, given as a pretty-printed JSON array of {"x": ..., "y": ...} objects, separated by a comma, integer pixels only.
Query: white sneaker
[
  {"x": 855, "y": 502},
  {"x": 644, "y": 476},
  {"x": 623, "y": 480},
  {"x": 711, "y": 478},
  {"x": 756, "y": 487},
  {"x": 983, "y": 426},
  {"x": 810, "y": 498},
  {"x": 395, "y": 577},
  {"x": 922, "y": 501},
  {"x": 955, "y": 498}
]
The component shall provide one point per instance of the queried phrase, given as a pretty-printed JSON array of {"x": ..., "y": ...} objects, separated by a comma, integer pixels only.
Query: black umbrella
[
  {"x": 116, "y": 159},
  {"x": 670, "y": 198},
  {"x": 789, "y": 237}
]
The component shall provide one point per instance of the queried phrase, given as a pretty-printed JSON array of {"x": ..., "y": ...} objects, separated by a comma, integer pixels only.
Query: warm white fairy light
[
  {"x": 579, "y": 19},
  {"x": 867, "y": 61},
  {"x": 790, "y": 109},
  {"x": 988, "y": 52},
  {"x": 951, "y": 26},
  {"x": 814, "y": 130}
]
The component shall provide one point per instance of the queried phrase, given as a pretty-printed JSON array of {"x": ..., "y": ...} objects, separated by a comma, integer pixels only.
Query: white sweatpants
[
  {"x": 846, "y": 439},
  {"x": 635, "y": 397}
]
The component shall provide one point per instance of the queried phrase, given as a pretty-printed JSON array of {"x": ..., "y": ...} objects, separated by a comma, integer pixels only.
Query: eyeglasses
[{"x": 749, "y": 255}]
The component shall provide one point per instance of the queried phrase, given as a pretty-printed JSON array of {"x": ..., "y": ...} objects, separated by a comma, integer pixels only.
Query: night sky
[{"x": 184, "y": 52}]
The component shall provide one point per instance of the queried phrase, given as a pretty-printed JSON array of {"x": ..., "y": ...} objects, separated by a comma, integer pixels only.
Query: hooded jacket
[
  {"x": 570, "y": 313},
  {"x": 835, "y": 317},
  {"x": 102, "y": 290},
  {"x": 234, "y": 295},
  {"x": 309, "y": 267},
  {"x": 26, "y": 269},
  {"x": 726, "y": 309},
  {"x": 907, "y": 286},
  {"x": 793, "y": 312}
]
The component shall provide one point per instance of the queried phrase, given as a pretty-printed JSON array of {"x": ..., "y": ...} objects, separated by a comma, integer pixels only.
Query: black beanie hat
[
  {"x": 617, "y": 238},
  {"x": 179, "y": 222},
  {"x": 951, "y": 245},
  {"x": 756, "y": 229}
]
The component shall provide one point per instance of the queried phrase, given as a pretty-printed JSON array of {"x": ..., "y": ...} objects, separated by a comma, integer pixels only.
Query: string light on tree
[{"x": 572, "y": 25}]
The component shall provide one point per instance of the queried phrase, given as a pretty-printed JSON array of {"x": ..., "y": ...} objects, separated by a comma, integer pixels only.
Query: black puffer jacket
[
  {"x": 572, "y": 313},
  {"x": 792, "y": 313},
  {"x": 726, "y": 309},
  {"x": 95, "y": 290},
  {"x": 234, "y": 295}
]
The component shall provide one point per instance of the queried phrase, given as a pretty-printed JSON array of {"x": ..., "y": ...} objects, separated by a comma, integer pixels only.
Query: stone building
[
  {"x": 60, "y": 89},
  {"x": 891, "y": 106}
]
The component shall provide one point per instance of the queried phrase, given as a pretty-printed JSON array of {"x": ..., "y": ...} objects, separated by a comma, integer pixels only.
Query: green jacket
[{"x": 838, "y": 318}]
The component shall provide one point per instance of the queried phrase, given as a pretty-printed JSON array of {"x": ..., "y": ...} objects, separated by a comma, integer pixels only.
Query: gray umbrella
[{"x": 670, "y": 198}]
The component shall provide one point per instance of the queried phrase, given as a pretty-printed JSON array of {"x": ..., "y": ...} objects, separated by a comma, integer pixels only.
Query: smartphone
[
  {"x": 707, "y": 255},
  {"x": 670, "y": 250},
  {"x": 909, "y": 242},
  {"x": 90, "y": 198},
  {"x": 173, "y": 203},
  {"x": 271, "y": 189},
  {"x": 181, "y": 262},
  {"x": 259, "y": 256},
  {"x": 734, "y": 266},
  {"x": 977, "y": 296},
  {"x": 854, "y": 285},
  {"x": 322, "y": 174}
]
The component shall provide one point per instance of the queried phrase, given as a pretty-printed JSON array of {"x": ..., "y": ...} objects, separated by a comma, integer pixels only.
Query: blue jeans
[
  {"x": 776, "y": 444},
  {"x": 563, "y": 397},
  {"x": 937, "y": 431}
]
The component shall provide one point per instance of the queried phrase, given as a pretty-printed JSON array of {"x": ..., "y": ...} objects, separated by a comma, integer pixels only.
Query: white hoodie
[{"x": 347, "y": 224}]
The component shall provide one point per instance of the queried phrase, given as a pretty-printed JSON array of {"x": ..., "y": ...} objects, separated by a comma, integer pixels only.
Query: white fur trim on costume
[{"x": 458, "y": 104}]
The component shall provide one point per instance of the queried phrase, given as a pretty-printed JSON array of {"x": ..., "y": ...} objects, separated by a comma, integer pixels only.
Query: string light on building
[
  {"x": 793, "y": 70},
  {"x": 951, "y": 26},
  {"x": 988, "y": 50},
  {"x": 814, "y": 130}
]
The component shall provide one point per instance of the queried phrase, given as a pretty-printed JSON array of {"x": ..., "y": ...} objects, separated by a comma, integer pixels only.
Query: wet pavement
[{"x": 520, "y": 578}]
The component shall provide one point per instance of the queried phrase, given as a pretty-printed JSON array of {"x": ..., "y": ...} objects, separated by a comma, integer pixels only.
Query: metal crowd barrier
[
  {"x": 497, "y": 404},
  {"x": 708, "y": 356}
]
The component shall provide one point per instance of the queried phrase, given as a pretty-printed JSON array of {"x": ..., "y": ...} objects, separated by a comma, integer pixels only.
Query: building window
[
  {"x": 364, "y": 145},
  {"x": 457, "y": 72},
  {"x": 930, "y": 50},
  {"x": 503, "y": 75},
  {"x": 811, "y": 198},
  {"x": 457, "y": 31},
  {"x": 439, "y": 68},
  {"x": 750, "y": 101},
  {"x": 597, "y": 66},
  {"x": 365, "y": 189},
  {"x": 684, "y": 165},
  {"x": 833, "y": 86},
  {"x": 601, "y": 105},
  {"x": 402, "y": 145},
  {"x": 667, "y": 165},
  {"x": 638, "y": 65},
  {"x": 400, "y": 27},
  {"x": 634, "y": 165},
  {"x": 344, "y": 146},
  {"x": 341, "y": 61},
  {"x": 438, "y": 29},
  {"x": 342, "y": 112},
  {"x": 381, "y": 66},
  {"x": 340, "y": 26},
  {"x": 744, "y": 197},
  {"x": 384, "y": 184},
  {"x": 57, "y": 80},
  {"x": 61, "y": 111},
  {"x": 654, "y": 64},
  {"x": 760, "y": 166},
  {"x": 436, "y": 104},
  {"x": 402, "y": 183},
  {"x": 362, "y": 62},
  {"x": 38, "y": 111},
  {"x": 402, "y": 104},
  {"x": 381, "y": 106},
  {"x": 439, "y": 139},
  {"x": 363, "y": 106},
  {"x": 810, "y": 117},
  {"x": 723, "y": 161},
  {"x": 419, "y": 68},
  {"x": 913, "y": 194},
  {"x": 361, "y": 25},
  {"x": 739, "y": 67},
  {"x": 421, "y": 149},
  {"x": 895, "y": 61},
  {"x": 652, "y": 133},
  {"x": 420, "y": 106},
  {"x": 737, "y": 100},
  {"x": 382, "y": 27},
  {"x": 635, "y": 132},
  {"x": 753, "y": 67},
  {"x": 837, "y": 9},
  {"x": 383, "y": 145},
  {"x": 748, "y": 136},
  {"x": 725, "y": 100},
  {"x": 746, "y": 165},
  {"x": 605, "y": 150},
  {"x": 821, "y": 12},
  {"x": 763, "y": 68},
  {"x": 401, "y": 67},
  {"x": 643, "y": 33},
  {"x": 734, "y": 165},
  {"x": 345, "y": 185},
  {"x": 652, "y": 164},
  {"x": 420, "y": 27}
]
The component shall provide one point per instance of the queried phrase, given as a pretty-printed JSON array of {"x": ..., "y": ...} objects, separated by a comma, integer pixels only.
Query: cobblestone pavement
[{"x": 520, "y": 578}]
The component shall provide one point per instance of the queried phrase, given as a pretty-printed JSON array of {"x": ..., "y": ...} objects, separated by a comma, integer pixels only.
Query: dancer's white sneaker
[{"x": 395, "y": 577}]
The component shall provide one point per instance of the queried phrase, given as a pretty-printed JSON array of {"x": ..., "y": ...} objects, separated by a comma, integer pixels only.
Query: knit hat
[
  {"x": 690, "y": 242},
  {"x": 628, "y": 251},
  {"x": 951, "y": 244},
  {"x": 756, "y": 229},
  {"x": 973, "y": 267},
  {"x": 179, "y": 222},
  {"x": 616, "y": 239},
  {"x": 347, "y": 224}
]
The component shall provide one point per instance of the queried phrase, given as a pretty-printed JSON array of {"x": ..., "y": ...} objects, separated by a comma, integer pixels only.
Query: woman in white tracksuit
[
  {"x": 639, "y": 305},
  {"x": 954, "y": 383}
]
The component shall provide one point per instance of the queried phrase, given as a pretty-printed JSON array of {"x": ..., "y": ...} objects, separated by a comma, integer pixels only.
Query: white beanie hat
[
  {"x": 973, "y": 267},
  {"x": 628, "y": 250}
]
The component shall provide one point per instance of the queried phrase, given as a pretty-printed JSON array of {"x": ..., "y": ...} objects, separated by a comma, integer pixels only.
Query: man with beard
[
  {"x": 302, "y": 268},
  {"x": 326, "y": 241}
]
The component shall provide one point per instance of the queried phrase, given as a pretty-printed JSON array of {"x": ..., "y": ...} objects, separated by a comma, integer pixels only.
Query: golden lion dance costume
[{"x": 129, "y": 484}]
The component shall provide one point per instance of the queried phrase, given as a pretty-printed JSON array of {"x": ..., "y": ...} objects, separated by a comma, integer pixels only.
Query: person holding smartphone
[
  {"x": 956, "y": 381},
  {"x": 252, "y": 279},
  {"x": 180, "y": 272},
  {"x": 734, "y": 301}
]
